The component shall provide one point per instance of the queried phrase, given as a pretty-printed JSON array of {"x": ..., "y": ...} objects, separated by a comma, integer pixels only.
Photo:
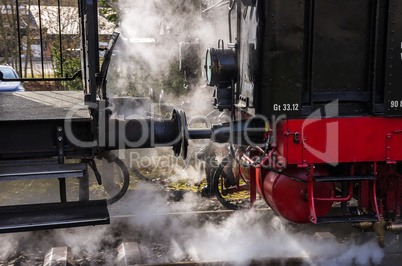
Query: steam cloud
[
  {"x": 242, "y": 237},
  {"x": 8, "y": 244},
  {"x": 149, "y": 45}
]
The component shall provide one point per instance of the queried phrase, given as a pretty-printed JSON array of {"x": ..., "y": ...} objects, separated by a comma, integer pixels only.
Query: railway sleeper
[
  {"x": 60, "y": 256},
  {"x": 129, "y": 254}
]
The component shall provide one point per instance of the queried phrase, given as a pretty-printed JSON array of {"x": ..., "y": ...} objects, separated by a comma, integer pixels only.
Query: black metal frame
[
  {"x": 89, "y": 47},
  {"x": 316, "y": 52},
  {"x": 46, "y": 138},
  {"x": 19, "y": 36}
]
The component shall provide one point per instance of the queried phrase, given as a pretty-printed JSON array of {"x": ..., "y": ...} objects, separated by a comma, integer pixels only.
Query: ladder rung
[
  {"x": 28, "y": 162},
  {"x": 42, "y": 171},
  {"x": 53, "y": 215},
  {"x": 347, "y": 219}
]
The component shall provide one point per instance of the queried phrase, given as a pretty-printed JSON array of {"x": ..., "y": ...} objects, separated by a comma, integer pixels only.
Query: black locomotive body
[
  {"x": 325, "y": 74},
  {"x": 295, "y": 56}
]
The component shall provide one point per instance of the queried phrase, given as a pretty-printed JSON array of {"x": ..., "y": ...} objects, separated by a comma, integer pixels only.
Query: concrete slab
[
  {"x": 129, "y": 254},
  {"x": 60, "y": 256}
]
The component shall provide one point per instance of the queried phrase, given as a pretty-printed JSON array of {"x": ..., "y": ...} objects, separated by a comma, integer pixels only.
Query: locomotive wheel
[{"x": 228, "y": 188}]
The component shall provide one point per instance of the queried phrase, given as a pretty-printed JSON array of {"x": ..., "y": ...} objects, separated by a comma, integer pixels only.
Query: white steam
[
  {"x": 9, "y": 242},
  {"x": 238, "y": 239},
  {"x": 88, "y": 239},
  {"x": 149, "y": 44},
  {"x": 246, "y": 236},
  {"x": 242, "y": 237}
]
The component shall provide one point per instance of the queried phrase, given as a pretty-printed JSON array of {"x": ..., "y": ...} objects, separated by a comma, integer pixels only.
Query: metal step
[
  {"x": 53, "y": 215},
  {"x": 39, "y": 169},
  {"x": 347, "y": 219},
  {"x": 343, "y": 178}
]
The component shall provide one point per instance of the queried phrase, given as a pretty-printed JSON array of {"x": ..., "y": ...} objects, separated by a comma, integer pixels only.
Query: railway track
[
  {"x": 129, "y": 253},
  {"x": 145, "y": 232},
  {"x": 122, "y": 244}
]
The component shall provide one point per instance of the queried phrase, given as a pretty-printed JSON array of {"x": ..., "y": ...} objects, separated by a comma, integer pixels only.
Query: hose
[
  {"x": 295, "y": 178},
  {"x": 110, "y": 157},
  {"x": 215, "y": 185}
]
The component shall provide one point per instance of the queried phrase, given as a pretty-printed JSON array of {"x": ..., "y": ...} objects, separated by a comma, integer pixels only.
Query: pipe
[
  {"x": 110, "y": 157},
  {"x": 394, "y": 227},
  {"x": 204, "y": 133},
  {"x": 141, "y": 133},
  {"x": 245, "y": 132}
]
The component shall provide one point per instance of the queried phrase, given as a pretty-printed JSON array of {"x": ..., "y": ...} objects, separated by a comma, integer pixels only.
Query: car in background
[{"x": 9, "y": 73}]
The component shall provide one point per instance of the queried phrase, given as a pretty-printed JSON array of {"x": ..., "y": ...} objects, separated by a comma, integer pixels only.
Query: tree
[
  {"x": 70, "y": 65},
  {"x": 8, "y": 36},
  {"x": 110, "y": 11}
]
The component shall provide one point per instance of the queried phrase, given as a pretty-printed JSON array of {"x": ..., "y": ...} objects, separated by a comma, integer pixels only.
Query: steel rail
[{"x": 216, "y": 212}]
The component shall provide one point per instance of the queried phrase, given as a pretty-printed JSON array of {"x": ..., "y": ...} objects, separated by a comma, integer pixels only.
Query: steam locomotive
[
  {"x": 325, "y": 75},
  {"x": 312, "y": 89}
]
